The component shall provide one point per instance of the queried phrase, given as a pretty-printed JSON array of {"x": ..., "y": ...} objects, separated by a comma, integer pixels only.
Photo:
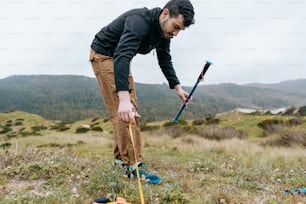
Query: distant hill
[{"x": 70, "y": 98}]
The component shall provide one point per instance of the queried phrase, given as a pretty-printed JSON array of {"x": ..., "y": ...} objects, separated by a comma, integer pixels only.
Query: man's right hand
[{"x": 126, "y": 110}]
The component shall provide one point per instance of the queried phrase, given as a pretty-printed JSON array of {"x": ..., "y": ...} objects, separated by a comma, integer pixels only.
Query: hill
[{"x": 70, "y": 98}]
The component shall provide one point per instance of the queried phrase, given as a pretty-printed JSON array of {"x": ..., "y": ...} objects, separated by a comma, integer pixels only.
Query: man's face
[{"x": 171, "y": 26}]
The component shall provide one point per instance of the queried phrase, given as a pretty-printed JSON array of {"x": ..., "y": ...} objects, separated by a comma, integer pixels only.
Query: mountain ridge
[{"x": 75, "y": 97}]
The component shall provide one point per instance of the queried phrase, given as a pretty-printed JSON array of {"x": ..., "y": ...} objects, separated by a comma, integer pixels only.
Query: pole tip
[{"x": 208, "y": 62}]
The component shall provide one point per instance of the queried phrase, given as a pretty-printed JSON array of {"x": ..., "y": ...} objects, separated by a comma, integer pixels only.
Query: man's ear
[{"x": 165, "y": 13}]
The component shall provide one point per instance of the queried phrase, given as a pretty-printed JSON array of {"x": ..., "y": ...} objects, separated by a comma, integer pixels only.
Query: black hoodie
[{"x": 135, "y": 31}]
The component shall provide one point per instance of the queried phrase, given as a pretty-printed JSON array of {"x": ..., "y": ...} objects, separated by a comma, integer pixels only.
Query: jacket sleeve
[
  {"x": 135, "y": 29},
  {"x": 165, "y": 63}
]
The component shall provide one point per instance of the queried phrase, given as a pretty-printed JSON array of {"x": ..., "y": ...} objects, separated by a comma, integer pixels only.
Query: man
[{"x": 114, "y": 46}]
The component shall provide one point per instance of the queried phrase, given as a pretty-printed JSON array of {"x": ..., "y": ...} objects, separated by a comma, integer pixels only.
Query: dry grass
[{"x": 63, "y": 167}]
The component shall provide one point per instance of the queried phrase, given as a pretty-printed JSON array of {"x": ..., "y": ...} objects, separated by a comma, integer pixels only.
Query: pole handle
[{"x": 204, "y": 70}]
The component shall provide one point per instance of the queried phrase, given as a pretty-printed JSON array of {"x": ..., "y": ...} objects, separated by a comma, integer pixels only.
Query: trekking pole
[
  {"x": 137, "y": 170},
  {"x": 205, "y": 68}
]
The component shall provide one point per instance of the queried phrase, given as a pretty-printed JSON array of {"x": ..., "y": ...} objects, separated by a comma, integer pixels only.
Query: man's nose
[{"x": 175, "y": 33}]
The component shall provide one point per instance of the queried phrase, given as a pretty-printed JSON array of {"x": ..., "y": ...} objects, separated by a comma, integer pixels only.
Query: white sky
[{"x": 247, "y": 41}]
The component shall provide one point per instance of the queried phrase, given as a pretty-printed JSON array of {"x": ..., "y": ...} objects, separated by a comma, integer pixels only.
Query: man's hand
[
  {"x": 126, "y": 110},
  {"x": 182, "y": 94}
]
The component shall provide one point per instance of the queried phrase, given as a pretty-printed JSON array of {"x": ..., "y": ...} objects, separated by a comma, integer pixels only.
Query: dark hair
[{"x": 183, "y": 7}]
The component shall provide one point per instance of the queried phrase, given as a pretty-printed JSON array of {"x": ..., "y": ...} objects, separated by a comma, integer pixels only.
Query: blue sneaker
[
  {"x": 144, "y": 173},
  {"x": 119, "y": 162}
]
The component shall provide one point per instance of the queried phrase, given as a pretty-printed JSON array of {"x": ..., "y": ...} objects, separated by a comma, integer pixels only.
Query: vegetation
[
  {"x": 73, "y": 98},
  {"x": 233, "y": 160}
]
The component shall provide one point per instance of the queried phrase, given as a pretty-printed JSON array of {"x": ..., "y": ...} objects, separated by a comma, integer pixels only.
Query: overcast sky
[{"x": 247, "y": 41}]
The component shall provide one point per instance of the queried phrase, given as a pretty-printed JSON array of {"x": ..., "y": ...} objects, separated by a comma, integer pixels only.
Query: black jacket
[{"x": 136, "y": 31}]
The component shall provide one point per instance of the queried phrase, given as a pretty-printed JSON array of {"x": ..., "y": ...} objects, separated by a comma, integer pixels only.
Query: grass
[{"x": 64, "y": 167}]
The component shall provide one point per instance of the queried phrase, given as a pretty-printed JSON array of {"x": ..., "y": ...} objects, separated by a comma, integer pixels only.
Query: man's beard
[{"x": 166, "y": 34}]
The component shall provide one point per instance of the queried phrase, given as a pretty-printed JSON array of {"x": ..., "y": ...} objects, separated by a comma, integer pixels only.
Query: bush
[
  {"x": 289, "y": 111},
  {"x": 38, "y": 128},
  {"x": 95, "y": 119},
  {"x": 61, "y": 126},
  {"x": 288, "y": 138},
  {"x": 82, "y": 129},
  {"x": 294, "y": 137},
  {"x": 145, "y": 127},
  {"x": 4, "y": 130},
  {"x": 198, "y": 122},
  {"x": 216, "y": 133},
  {"x": 97, "y": 128},
  {"x": 302, "y": 111},
  {"x": 178, "y": 131},
  {"x": 212, "y": 121},
  {"x": 269, "y": 123},
  {"x": 168, "y": 124},
  {"x": 171, "y": 123},
  {"x": 293, "y": 122},
  {"x": 6, "y": 145}
]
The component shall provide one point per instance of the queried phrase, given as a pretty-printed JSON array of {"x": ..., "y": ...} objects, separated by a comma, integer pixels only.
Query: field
[{"x": 233, "y": 158}]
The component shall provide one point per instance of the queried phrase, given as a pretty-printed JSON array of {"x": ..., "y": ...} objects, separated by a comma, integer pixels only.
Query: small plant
[
  {"x": 82, "y": 129},
  {"x": 290, "y": 111},
  {"x": 61, "y": 126},
  {"x": 4, "y": 130},
  {"x": 302, "y": 111},
  {"x": 95, "y": 119},
  {"x": 168, "y": 124},
  {"x": 38, "y": 128},
  {"x": 198, "y": 122},
  {"x": 178, "y": 131},
  {"x": 293, "y": 122},
  {"x": 145, "y": 127},
  {"x": 18, "y": 123},
  {"x": 96, "y": 128},
  {"x": 288, "y": 138},
  {"x": 216, "y": 133},
  {"x": 6, "y": 145},
  {"x": 271, "y": 125},
  {"x": 212, "y": 121}
]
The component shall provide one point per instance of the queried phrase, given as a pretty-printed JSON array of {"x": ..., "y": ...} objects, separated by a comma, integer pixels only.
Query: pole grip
[{"x": 204, "y": 70}]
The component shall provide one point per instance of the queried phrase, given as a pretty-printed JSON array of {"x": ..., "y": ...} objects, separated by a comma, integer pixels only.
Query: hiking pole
[{"x": 205, "y": 68}]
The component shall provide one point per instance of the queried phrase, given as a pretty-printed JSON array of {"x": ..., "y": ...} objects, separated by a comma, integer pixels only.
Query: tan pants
[{"x": 103, "y": 68}]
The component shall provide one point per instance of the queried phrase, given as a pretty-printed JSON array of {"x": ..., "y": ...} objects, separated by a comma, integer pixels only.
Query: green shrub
[
  {"x": 61, "y": 126},
  {"x": 293, "y": 122},
  {"x": 4, "y": 130},
  {"x": 302, "y": 111},
  {"x": 212, "y": 121},
  {"x": 144, "y": 127},
  {"x": 82, "y": 129},
  {"x": 266, "y": 124},
  {"x": 6, "y": 145},
  {"x": 289, "y": 111},
  {"x": 38, "y": 128},
  {"x": 179, "y": 122},
  {"x": 95, "y": 119},
  {"x": 18, "y": 123},
  {"x": 97, "y": 128},
  {"x": 198, "y": 122},
  {"x": 168, "y": 124}
]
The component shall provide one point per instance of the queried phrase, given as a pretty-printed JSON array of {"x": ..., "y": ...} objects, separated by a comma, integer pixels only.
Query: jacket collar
[{"x": 155, "y": 15}]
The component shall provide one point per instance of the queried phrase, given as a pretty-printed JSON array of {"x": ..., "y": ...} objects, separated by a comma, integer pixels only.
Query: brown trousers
[{"x": 103, "y": 68}]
